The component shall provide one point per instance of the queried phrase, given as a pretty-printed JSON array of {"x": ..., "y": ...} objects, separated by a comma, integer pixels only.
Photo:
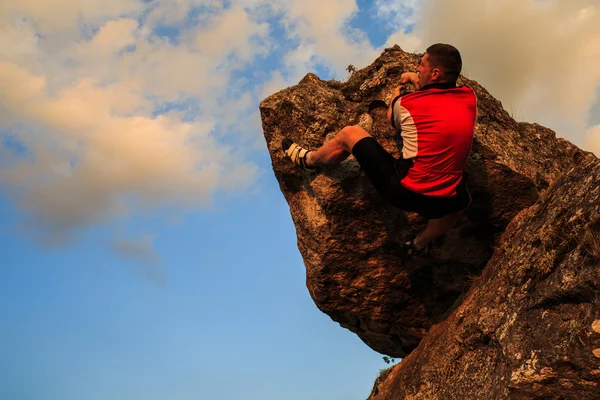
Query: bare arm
[
  {"x": 405, "y": 78},
  {"x": 410, "y": 77},
  {"x": 395, "y": 94}
]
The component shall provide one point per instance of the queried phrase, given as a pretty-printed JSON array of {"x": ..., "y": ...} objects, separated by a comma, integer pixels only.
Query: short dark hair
[{"x": 447, "y": 58}]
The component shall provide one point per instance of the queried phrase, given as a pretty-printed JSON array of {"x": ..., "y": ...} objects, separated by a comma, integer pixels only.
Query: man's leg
[
  {"x": 339, "y": 148},
  {"x": 436, "y": 228}
]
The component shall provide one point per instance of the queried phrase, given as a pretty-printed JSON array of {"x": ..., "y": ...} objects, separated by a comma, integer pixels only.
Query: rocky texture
[
  {"x": 529, "y": 328},
  {"x": 347, "y": 234}
]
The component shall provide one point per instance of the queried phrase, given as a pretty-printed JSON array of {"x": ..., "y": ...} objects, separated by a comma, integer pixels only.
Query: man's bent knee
[{"x": 350, "y": 135}]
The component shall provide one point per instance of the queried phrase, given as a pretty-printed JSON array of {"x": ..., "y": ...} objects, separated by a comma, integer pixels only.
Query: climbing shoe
[
  {"x": 296, "y": 153},
  {"x": 409, "y": 250}
]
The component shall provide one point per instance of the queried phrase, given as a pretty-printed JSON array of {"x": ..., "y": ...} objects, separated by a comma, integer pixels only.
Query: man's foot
[
  {"x": 410, "y": 249},
  {"x": 297, "y": 154}
]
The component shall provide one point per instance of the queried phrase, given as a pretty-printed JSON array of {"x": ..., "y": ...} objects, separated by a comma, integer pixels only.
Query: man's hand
[{"x": 409, "y": 77}]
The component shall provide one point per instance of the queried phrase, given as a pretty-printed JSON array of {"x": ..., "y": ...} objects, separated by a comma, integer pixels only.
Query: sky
[{"x": 146, "y": 250}]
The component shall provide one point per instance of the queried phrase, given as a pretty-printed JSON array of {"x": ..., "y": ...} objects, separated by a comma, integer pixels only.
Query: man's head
[{"x": 441, "y": 63}]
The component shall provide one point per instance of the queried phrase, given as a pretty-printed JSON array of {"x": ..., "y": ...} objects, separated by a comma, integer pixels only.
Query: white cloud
[
  {"x": 324, "y": 39},
  {"x": 175, "y": 12},
  {"x": 398, "y": 14},
  {"x": 323, "y": 31},
  {"x": 114, "y": 35},
  {"x": 592, "y": 140},
  {"x": 231, "y": 32},
  {"x": 82, "y": 84},
  {"x": 275, "y": 83},
  {"x": 60, "y": 22},
  {"x": 541, "y": 59},
  {"x": 84, "y": 109},
  {"x": 407, "y": 41},
  {"x": 62, "y": 15},
  {"x": 89, "y": 162}
]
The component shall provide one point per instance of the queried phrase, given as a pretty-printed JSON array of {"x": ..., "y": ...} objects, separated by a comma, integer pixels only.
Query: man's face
[{"x": 426, "y": 73}]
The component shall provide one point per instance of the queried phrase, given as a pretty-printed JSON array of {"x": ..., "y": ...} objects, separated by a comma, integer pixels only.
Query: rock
[
  {"x": 349, "y": 236},
  {"x": 529, "y": 328}
]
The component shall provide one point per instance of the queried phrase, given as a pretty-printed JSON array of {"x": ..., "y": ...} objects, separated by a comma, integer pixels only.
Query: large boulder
[
  {"x": 529, "y": 327},
  {"x": 349, "y": 236}
]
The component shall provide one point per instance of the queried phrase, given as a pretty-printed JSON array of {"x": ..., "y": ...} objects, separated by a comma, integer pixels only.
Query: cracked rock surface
[{"x": 529, "y": 328}]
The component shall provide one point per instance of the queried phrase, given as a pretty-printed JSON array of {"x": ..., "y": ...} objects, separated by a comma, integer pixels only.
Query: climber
[{"x": 436, "y": 123}]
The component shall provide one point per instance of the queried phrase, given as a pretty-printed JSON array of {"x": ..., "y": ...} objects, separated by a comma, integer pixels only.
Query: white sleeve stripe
[{"x": 409, "y": 133}]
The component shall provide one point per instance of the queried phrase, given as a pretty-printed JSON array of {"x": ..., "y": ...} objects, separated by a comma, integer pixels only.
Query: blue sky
[{"x": 146, "y": 250}]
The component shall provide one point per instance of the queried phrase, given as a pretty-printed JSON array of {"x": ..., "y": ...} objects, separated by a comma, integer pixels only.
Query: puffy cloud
[
  {"x": 89, "y": 163},
  {"x": 540, "y": 58},
  {"x": 176, "y": 12},
  {"x": 100, "y": 113},
  {"x": 322, "y": 37},
  {"x": 592, "y": 139},
  {"x": 407, "y": 41},
  {"x": 325, "y": 35},
  {"x": 117, "y": 118},
  {"x": 398, "y": 14},
  {"x": 61, "y": 20},
  {"x": 231, "y": 32},
  {"x": 115, "y": 35}
]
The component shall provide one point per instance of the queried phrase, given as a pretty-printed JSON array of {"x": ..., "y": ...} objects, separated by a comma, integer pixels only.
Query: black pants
[{"x": 386, "y": 173}]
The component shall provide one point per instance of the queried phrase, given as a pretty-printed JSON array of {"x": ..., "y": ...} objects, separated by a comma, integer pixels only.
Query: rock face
[
  {"x": 349, "y": 236},
  {"x": 529, "y": 328}
]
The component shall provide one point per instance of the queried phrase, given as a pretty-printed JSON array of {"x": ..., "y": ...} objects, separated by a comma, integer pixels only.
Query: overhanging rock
[{"x": 348, "y": 235}]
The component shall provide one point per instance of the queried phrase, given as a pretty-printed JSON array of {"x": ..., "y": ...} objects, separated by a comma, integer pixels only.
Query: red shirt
[{"x": 437, "y": 125}]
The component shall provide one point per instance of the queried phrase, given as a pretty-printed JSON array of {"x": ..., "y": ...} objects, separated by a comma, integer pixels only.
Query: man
[{"x": 436, "y": 122}]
